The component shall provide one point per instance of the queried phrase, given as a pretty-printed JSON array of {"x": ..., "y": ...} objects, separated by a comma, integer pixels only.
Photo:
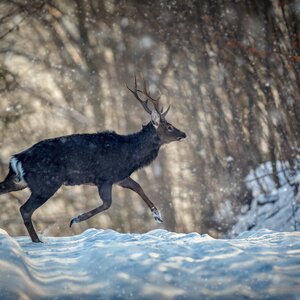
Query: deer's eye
[{"x": 169, "y": 127}]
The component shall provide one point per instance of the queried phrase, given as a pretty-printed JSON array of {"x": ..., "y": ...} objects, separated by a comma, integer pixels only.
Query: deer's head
[{"x": 166, "y": 132}]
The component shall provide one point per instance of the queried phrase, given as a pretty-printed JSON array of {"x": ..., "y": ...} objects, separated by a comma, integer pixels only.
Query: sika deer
[{"x": 101, "y": 159}]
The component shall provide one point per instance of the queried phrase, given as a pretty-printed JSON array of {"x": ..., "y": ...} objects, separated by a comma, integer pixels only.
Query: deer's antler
[
  {"x": 135, "y": 93},
  {"x": 155, "y": 102}
]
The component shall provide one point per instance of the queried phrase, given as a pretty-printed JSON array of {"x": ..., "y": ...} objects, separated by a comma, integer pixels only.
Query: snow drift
[
  {"x": 271, "y": 207},
  {"x": 104, "y": 264}
]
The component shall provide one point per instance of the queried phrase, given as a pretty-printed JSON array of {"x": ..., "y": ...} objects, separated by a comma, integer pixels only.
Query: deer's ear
[{"x": 155, "y": 118}]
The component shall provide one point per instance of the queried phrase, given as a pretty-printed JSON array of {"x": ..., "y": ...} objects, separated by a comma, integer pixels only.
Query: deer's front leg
[
  {"x": 105, "y": 195},
  {"x": 129, "y": 183}
]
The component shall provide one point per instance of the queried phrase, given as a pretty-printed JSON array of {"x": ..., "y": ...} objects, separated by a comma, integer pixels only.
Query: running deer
[{"x": 100, "y": 159}]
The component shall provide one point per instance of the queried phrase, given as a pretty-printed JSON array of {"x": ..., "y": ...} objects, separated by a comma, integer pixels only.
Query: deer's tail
[{"x": 11, "y": 183}]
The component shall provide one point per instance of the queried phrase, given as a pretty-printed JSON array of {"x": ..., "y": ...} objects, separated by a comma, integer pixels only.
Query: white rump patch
[{"x": 17, "y": 167}]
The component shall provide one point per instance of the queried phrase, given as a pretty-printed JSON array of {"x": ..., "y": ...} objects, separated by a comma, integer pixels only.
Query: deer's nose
[{"x": 182, "y": 136}]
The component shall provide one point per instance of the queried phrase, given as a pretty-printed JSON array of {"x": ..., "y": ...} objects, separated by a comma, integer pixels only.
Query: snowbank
[
  {"x": 104, "y": 264},
  {"x": 272, "y": 208}
]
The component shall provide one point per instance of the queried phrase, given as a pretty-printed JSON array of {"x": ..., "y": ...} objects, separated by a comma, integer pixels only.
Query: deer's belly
[{"x": 97, "y": 175}]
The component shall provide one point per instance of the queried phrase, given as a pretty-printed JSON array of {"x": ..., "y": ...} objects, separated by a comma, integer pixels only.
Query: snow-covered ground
[
  {"x": 104, "y": 264},
  {"x": 272, "y": 208}
]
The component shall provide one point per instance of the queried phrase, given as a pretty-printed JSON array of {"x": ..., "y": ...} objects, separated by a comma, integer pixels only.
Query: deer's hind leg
[{"x": 36, "y": 199}]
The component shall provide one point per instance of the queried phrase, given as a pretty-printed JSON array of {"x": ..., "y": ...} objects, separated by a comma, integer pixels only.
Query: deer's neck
[{"x": 146, "y": 146}]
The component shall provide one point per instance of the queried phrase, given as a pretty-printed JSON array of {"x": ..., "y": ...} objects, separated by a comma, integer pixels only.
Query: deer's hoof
[
  {"x": 74, "y": 221},
  {"x": 37, "y": 241},
  {"x": 157, "y": 216}
]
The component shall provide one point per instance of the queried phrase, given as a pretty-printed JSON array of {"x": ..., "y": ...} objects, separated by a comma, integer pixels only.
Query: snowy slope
[
  {"x": 271, "y": 208},
  {"x": 104, "y": 264}
]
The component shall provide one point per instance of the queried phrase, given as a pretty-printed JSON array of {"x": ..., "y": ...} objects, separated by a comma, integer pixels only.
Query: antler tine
[
  {"x": 155, "y": 102},
  {"x": 135, "y": 93},
  {"x": 163, "y": 114}
]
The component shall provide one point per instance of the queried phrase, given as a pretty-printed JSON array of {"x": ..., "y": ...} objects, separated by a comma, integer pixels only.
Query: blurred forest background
[{"x": 230, "y": 70}]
